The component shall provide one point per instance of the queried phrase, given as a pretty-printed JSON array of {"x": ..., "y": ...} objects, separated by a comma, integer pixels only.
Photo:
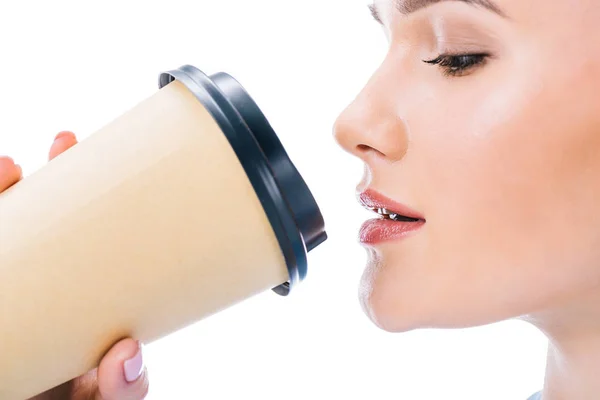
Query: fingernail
[
  {"x": 63, "y": 134},
  {"x": 20, "y": 170},
  {"x": 134, "y": 366}
]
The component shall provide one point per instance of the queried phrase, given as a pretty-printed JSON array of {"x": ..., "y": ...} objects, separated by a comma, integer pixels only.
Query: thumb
[{"x": 121, "y": 374}]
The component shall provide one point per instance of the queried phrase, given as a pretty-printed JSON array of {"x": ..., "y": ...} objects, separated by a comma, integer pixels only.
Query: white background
[{"x": 76, "y": 65}]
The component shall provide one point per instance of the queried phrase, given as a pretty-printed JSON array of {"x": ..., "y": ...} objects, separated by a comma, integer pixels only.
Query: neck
[{"x": 573, "y": 362}]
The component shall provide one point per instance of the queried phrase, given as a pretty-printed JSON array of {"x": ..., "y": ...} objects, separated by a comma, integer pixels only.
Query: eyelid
[
  {"x": 461, "y": 46},
  {"x": 458, "y": 65},
  {"x": 452, "y": 35}
]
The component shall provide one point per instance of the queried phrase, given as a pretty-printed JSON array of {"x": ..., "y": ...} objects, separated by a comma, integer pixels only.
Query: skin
[
  {"x": 107, "y": 382},
  {"x": 502, "y": 161}
]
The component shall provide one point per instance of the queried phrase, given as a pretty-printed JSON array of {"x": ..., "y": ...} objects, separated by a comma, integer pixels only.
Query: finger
[
  {"x": 63, "y": 391},
  {"x": 10, "y": 173},
  {"x": 62, "y": 142},
  {"x": 84, "y": 387},
  {"x": 122, "y": 374}
]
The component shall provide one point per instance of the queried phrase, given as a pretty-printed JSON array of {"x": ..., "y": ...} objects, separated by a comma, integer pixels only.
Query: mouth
[
  {"x": 394, "y": 216},
  {"x": 387, "y": 208},
  {"x": 395, "y": 220}
]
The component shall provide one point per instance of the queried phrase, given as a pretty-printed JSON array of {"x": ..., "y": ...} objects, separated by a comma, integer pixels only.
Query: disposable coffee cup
[{"x": 185, "y": 205}]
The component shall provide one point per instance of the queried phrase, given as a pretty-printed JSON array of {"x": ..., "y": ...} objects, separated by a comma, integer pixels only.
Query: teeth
[{"x": 387, "y": 214}]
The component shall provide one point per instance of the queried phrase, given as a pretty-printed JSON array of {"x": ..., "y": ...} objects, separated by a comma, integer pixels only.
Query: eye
[{"x": 458, "y": 64}]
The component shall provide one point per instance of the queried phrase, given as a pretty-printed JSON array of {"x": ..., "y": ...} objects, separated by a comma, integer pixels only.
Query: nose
[{"x": 372, "y": 125}]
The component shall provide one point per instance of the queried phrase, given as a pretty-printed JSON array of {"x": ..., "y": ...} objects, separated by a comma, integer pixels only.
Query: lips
[
  {"x": 395, "y": 220},
  {"x": 375, "y": 201}
]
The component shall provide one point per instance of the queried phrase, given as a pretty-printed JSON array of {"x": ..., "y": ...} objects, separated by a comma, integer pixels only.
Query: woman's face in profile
[{"x": 484, "y": 120}]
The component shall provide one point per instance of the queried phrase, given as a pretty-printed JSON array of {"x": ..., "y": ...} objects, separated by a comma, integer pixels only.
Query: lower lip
[{"x": 384, "y": 230}]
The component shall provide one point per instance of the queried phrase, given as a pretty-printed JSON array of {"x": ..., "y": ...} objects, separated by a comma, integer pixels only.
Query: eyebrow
[{"x": 410, "y": 6}]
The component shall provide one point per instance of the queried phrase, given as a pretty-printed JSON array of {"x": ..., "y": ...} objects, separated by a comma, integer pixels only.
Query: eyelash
[{"x": 458, "y": 64}]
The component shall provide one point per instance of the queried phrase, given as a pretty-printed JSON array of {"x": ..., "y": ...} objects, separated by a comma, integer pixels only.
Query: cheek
[
  {"x": 514, "y": 190},
  {"x": 509, "y": 185},
  {"x": 525, "y": 170}
]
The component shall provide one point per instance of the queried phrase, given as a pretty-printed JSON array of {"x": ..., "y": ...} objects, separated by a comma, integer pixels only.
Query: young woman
[{"x": 480, "y": 133}]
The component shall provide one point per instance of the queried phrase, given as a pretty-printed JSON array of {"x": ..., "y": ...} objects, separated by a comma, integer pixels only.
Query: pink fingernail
[
  {"x": 63, "y": 134},
  {"x": 134, "y": 366}
]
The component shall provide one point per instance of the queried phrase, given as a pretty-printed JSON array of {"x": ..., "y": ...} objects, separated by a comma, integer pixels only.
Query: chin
[
  {"x": 386, "y": 319},
  {"x": 379, "y": 298},
  {"x": 395, "y": 311},
  {"x": 396, "y": 303},
  {"x": 381, "y": 309}
]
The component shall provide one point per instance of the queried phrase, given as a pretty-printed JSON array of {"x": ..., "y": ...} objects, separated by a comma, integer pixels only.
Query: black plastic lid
[{"x": 288, "y": 203}]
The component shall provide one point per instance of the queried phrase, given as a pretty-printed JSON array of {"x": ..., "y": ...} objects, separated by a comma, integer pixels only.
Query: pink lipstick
[{"x": 395, "y": 220}]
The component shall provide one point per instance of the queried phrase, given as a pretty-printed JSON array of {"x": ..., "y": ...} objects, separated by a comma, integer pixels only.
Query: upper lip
[{"x": 374, "y": 200}]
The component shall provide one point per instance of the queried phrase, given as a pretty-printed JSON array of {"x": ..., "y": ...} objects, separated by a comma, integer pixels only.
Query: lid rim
[
  {"x": 293, "y": 187},
  {"x": 255, "y": 164}
]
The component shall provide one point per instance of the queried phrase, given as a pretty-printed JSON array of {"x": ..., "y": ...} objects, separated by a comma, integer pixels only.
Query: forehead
[
  {"x": 529, "y": 11},
  {"x": 513, "y": 6},
  {"x": 409, "y": 6}
]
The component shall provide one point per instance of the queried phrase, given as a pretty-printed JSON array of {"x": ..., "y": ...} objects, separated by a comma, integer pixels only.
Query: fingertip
[
  {"x": 10, "y": 173},
  {"x": 122, "y": 373},
  {"x": 63, "y": 134},
  {"x": 62, "y": 142},
  {"x": 6, "y": 162},
  {"x": 133, "y": 367}
]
